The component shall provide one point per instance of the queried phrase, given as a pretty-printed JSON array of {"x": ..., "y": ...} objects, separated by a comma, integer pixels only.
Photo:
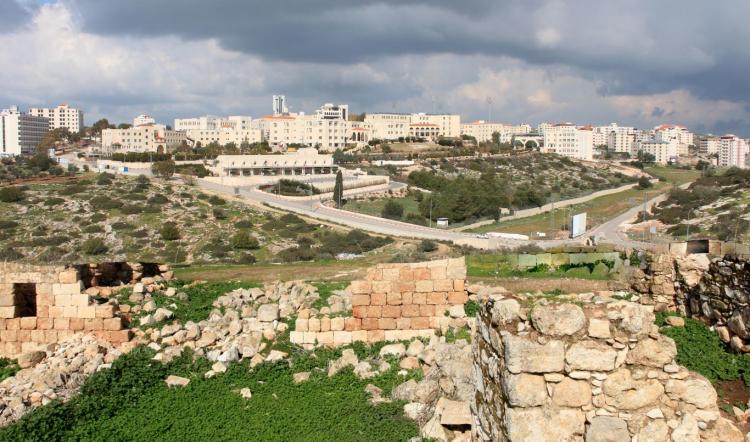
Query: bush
[
  {"x": 393, "y": 210},
  {"x": 94, "y": 246},
  {"x": 246, "y": 258},
  {"x": 243, "y": 224},
  {"x": 243, "y": 240},
  {"x": 51, "y": 202},
  {"x": 644, "y": 183},
  {"x": 11, "y": 194},
  {"x": 169, "y": 231},
  {"x": 142, "y": 179},
  {"x": 219, "y": 213},
  {"x": 7, "y": 224},
  {"x": 428, "y": 246},
  {"x": 216, "y": 200},
  {"x": 158, "y": 199},
  {"x": 100, "y": 202}
]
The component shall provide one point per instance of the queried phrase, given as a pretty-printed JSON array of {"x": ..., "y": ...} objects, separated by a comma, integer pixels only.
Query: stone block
[
  {"x": 391, "y": 274},
  {"x": 45, "y": 323},
  {"x": 394, "y": 299},
  {"x": 79, "y": 300},
  {"x": 94, "y": 324},
  {"x": 438, "y": 273},
  {"x": 406, "y": 274},
  {"x": 370, "y": 323},
  {"x": 50, "y": 336},
  {"x": 8, "y": 335},
  {"x": 427, "y": 310},
  {"x": 591, "y": 356},
  {"x": 558, "y": 319},
  {"x": 296, "y": 337},
  {"x": 422, "y": 274},
  {"x": 2, "y": 324},
  {"x": 112, "y": 324},
  {"x": 300, "y": 325},
  {"x": 313, "y": 324},
  {"x": 403, "y": 323},
  {"x": 599, "y": 328},
  {"x": 68, "y": 276},
  {"x": 44, "y": 299},
  {"x": 374, "y": 274},
  {"x": 419, "y": 298},
  {"x": 387, "y": 324},
  {"x": 360, "y": 287},
  {"x": 310, "y": 337},
  {"x": 5, "y": 289},
  {"x": 62, "y": 324},
  {"x": 67, "y": 289},
  {"x": 374, "y": 311},
  {"x": 443, "y": 285},
  {"x": 70, "y": 311},
  {"x": 62, "y": 300},
  {"x": 459, "y": 285},
  {"x": 391, "y": 311},
  {"x": 77, "y": 324},
  {"x": 525, "y": 390},
  {"x": 7, "y": 312},
  {"x": 359, "y": 335},
  {"x": 457, "y": 297},
  {"x": 28, "y": 323},
  {"x": 406, "y": 286},
  {"x": 525, "y": 356},
  {"x": 86, "y": 312},
  {"x": 423, "y": 286},
  {"x": 13, "y": 324},
  {"x": 342, "y": 337},
  {"x": 42, "y": 311},
  {"x": 56, "y": 311},
  {"x": 437, "y": 298},
  {"x": 407, "y": 298},
  {"x": 382, "y": 286},
  {"x": 360, "y": 300},
  {"x": 325, "y": 324},
  {"x": 571, "y": 393},
  {"x": 325, "y": 338},
  {"x": 119, "y": 336},
  {"x": 420, "y": 323},
  {"x": 105, "y": 311},
  {"x": 37, "y": 335},
  {"x": 359, "y": 311},
  {"x": 378, "y": 299},
  {"x": 7, "y": 300},
  {"x": 352, "y": 324},
  {"x": 375, "y": 336},
  {"x": 45, "y": 290},
  {"x": 410, "y": 311},
  {"x": 337, "y": 324}
]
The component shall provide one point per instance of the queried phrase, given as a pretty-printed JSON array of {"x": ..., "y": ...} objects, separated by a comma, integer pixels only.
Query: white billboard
[{"x": 578, "y": 225}]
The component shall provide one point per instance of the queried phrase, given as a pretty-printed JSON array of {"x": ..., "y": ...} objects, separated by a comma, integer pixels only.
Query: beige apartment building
[
  {"x": 664, "y": 152},
  {"x": 482, "y": 130},
  {"x": 569, "y": 140},
  {"x": 733, "y": 151},
  {"x": 392, "y": 126},
  {"x": 144, "y": 138},
  {"x": 60, "y": 116}
]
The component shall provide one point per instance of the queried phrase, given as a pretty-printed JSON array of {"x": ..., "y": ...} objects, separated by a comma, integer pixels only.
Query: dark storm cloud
[{"x": 12, "y": 15}]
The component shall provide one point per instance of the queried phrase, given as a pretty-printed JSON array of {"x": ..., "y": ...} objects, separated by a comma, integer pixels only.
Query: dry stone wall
[
  {"x": 41, "y": 305},
  {"x": 393, "y": 302},
  {"x": 601, "y": 372}
]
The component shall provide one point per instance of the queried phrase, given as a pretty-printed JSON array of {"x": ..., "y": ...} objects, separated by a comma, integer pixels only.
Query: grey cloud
[{"x": 12, "y": 15}]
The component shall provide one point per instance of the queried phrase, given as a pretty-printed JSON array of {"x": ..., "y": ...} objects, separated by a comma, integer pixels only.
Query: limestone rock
[
  {"x": 599, "y": 328},
  {"x": 622, "y": 391},
  {"x": 453, "y": 413},
  {"x": 525, "y": 390},
  {"x": 425, "y": 391},
  {"x": 591, "y": 356},
  {"x": 301, "y": 377},
  {"x": 30, "y": 358},
  {"x": 505, "y": 311},
  {"x": 268, "y": 312},
  {"x": 542, "y": 424},
  {"x": 570, "y": 393},
  {"x": 654, "y": 431},
  {"x": 397, "y": 350},
  {"x": 695, "y": 390},
  {"x": 523, "y": 355},
  {"x": 653, "y": 352},
  {"x": 558, "y": 319},
  {"x": 176, "y": 381},
  {"x": 607, "y": 429},
  {"x": 246, "y": 393},
  {"x": 687, "y": 430}
]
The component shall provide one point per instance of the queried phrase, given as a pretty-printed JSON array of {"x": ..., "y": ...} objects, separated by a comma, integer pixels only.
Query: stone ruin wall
[
  {"x": 394, "y": 302},
  {"x": 41, "y": 305},
  {"x": 560, "y": 372},
  {"x": 713, "y": 288}
]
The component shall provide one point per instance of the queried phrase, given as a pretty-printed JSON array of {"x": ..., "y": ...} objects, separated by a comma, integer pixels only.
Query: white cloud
[{"x": 547, "y": 38}]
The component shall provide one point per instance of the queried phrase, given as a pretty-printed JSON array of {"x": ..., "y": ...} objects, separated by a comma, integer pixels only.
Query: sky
[{"x": 635, "y": 62}]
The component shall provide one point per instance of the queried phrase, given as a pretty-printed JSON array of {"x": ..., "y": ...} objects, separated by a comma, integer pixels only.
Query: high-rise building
[
  {"x": 568, "y": 140},
  {"x": 733, "y": 151},
  {"x": 142, "y": 119},
  {"x": 708, "y": 145},
  {"x": 279, "y": 105},
  {"x": 21, "y": 133},
  {"x": 60, "y": 116}
]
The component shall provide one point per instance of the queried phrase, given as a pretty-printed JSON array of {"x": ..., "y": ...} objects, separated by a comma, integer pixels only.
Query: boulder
[
  {"x": 695, "y": 390},
  {"x": 571, "y": 393},
  {"x": 424, "y": 392},
  {"x": 687, "y": 430},
  {"x": 624, "y": 392},
  {"x": 505, "y": 311},
  {"x": 453, "y": 413},
  {"x": 653, "y": 352},
  {"x": 162, "y": 314},
  {"x": 268, "y": 312},
  {"x": 541, "y": 424},
  {"x": 397, "y": 350},
  {"x": 558, "y": 319},
  {"x": 301, "y": 377},
  {"x": 176, "y": 381},
  {"x": 654, "y": 431},
  {"x": 31, "y": 358}
]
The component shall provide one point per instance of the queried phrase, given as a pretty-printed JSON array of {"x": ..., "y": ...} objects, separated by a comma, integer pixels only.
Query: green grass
[
  {"x": 8, "y": 368},
  {"x": 700, "y": 349},
  {"x": 498, "y": 266},
  {"x": 599, "y": 210},
  {"x": 375, "y": 207},
  {"x": 326, "y": 289},
  {"x": 131, "y": 402},
  {"x": 674, "y": 175}
]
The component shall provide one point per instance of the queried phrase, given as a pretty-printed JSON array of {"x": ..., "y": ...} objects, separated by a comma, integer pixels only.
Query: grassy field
[
  {"x": 374, "y": 207},
  {"x": 131, "y": 402},
  {"x": 599, "y": 210},
  {"x": 498, "y": 266},
  {"x": 674, "y": 175}
]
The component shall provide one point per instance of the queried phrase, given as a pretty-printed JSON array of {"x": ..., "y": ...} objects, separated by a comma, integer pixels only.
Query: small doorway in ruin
[{"x": 24, "y": 298}]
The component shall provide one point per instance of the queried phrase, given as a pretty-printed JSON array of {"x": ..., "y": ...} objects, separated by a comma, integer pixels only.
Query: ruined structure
[
  {"x": 42, "y": 305},
  {"x": 560, "y": 372},
  {"x": 394, "y": 302}
]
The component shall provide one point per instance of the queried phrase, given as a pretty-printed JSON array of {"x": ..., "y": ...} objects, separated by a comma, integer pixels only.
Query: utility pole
[{"x": 430, "y": 210}]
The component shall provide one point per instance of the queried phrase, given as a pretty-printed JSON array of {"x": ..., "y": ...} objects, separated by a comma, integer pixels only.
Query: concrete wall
[
  {"x": 394, "y": 302},
  {"x": 527, "y": 261}
]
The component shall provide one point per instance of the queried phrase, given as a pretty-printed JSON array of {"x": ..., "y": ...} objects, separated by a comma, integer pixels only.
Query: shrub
[
  {"x": 120, "y": 225},
  {"x": 428, "y": 246},
  {"x": 216, "y": 200},
  {"x": 11, "y": 194},
  {"x": 93, "y": 228},
  {"x": 392, "y": 210},
  {"x": 243, "y": 240},
  {"x": 50, "y": 202},
  {"x": 246, "y": 258},
  {"x": 142, "y": 179},
  {"x": 158, "y": 199},
  {"x": 104, "y": 202},
  {"x": 644, "y": 183},
  {"x": 243, "y": 224},
  {"x": 219, "y": 214},
  {"x": 94, "y": 246},
  {"x": 7, "y": 224},
  {"x": 169, "y": 231}
]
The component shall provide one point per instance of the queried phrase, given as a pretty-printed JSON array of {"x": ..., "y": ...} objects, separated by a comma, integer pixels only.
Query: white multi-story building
[
  {"x": 279, "y": 105},
  {"x": 20, "y": 133},
  {"x": 664, "y": 152},
  {"x": 143, "y": 138},
  {"x": 143, "y": 119},
  {"x": 60, "y": 116},
  {"x": 329, "y": 111},
  {"x": 482, "y": 130},
  {"x": 600, "y": 135},
  {"x": 542, "y": 127},
  {"x": 708, "y": 145},
  {"x": 305, "y": 161},
  {"x": 733, "y": 151},
  {"x": 388, "y": 126},
  {"x": 621, "y": 139},
  {"x": 223, "y": 136},
  {"x": 677, "y": 133},
  {"x": 568, "y": 140},
  {"x": 449, "y": 125}
]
